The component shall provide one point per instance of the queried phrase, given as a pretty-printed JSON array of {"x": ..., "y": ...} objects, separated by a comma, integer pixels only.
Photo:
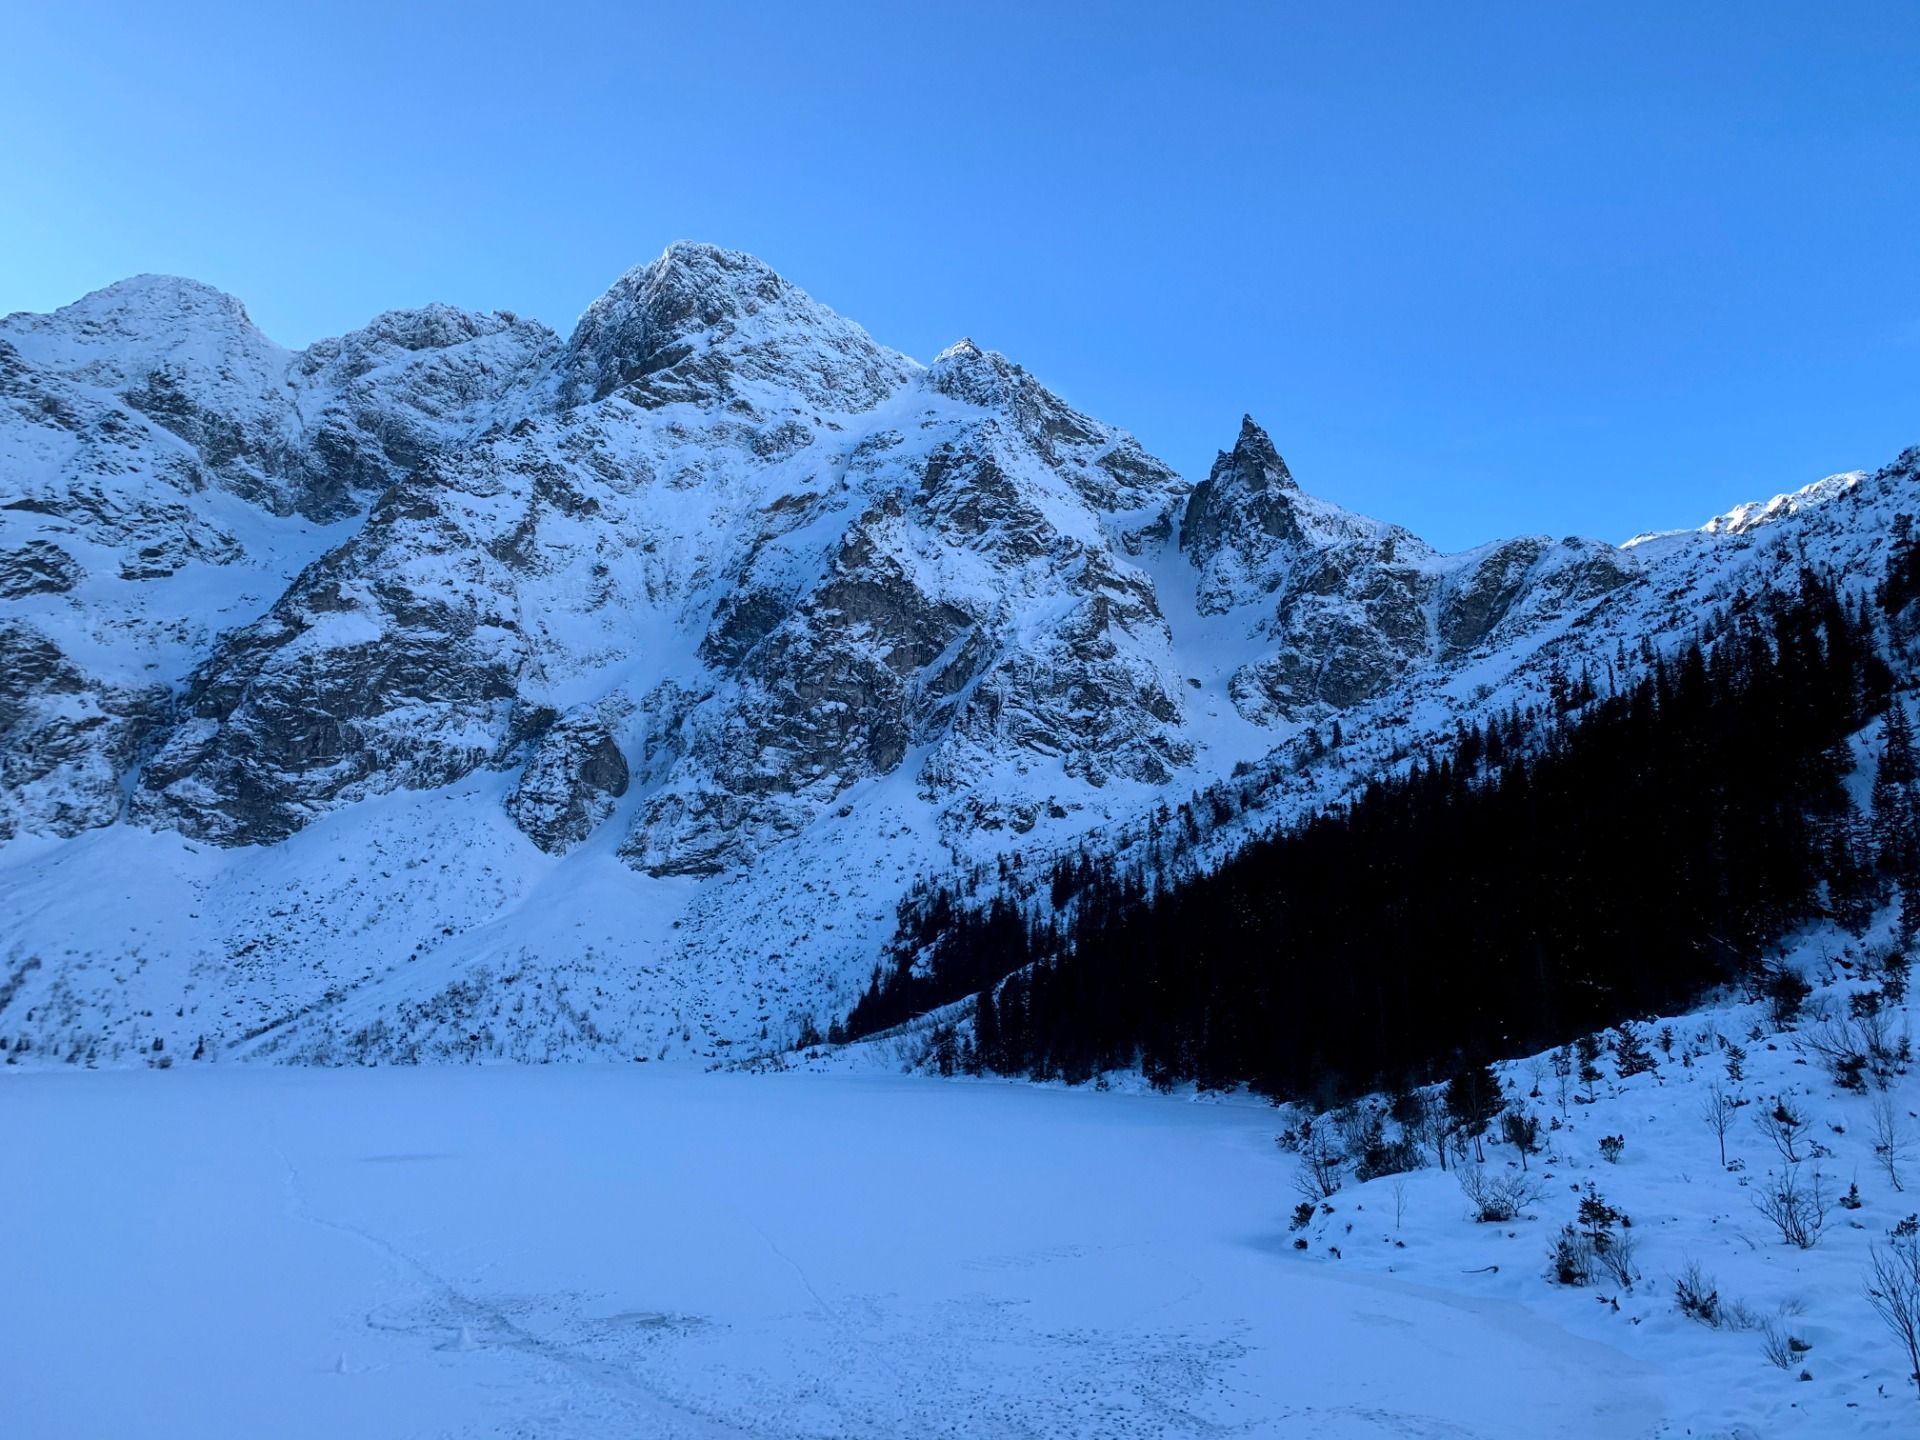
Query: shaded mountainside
[
  {"x": 1543, "y": 876},
  {"x": 488, "y": 693}
]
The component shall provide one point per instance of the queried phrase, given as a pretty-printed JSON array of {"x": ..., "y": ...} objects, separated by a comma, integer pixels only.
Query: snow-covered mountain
[{"x": 451, "y": 689}]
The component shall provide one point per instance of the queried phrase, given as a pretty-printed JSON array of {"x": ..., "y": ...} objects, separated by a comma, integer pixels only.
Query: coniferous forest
[{"x": 1540, "y": 878}]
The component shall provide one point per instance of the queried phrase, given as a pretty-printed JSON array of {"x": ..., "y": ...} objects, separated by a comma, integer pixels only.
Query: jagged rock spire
[
  {"x": 1254, "y": 459},
  {"x": 1248, "y": 491}
]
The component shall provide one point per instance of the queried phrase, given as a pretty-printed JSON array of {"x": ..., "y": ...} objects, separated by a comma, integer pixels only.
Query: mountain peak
[
  {"x": 1253, "y": 461},
  {"x": 700, "y": 322},
  {"x": 135, "y": 316},
  {"x": 687, "y": 288},
  {"x": 167, "y": 295},
  {"x": 980, "y": 377}
]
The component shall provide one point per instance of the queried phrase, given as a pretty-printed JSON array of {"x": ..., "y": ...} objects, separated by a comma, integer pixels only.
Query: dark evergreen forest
[{"x": 1544, "y": 875}]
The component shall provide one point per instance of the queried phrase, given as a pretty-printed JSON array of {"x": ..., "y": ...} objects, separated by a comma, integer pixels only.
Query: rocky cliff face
[
  {"x": 1350, "y": 606},
  {"x": 165, "y": 470},
  {"x": 717, "y": 608},
  {"x": 787, "y": 557}
]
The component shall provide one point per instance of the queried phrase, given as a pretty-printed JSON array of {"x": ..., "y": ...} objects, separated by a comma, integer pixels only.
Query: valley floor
[{"x": 595, "y": 1251}]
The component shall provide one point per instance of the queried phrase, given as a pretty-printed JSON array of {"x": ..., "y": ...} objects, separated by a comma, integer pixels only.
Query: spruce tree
[
  {"x": 986, "y": 1032},
  {"x": 1894, "y": 810},
  {"x": 1473, "y": 1099}
]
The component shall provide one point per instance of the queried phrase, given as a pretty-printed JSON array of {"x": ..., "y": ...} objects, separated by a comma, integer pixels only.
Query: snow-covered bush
[{"x": 1571, "y": 1258}]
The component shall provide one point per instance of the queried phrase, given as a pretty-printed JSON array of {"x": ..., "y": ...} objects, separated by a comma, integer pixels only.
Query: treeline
[{"x": 1535, "y": 881}]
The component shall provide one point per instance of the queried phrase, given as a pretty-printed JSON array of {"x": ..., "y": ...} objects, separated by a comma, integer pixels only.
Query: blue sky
[{"x": 1480, "y": 269}]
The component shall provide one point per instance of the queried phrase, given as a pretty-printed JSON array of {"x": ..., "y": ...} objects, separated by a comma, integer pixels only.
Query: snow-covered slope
[
  {"x": 613, "y": 1250},
  {"x": 454, "y": 690},
  {"x": 582, "y": 1252},
  {"x": 1775, "y": 1332}
]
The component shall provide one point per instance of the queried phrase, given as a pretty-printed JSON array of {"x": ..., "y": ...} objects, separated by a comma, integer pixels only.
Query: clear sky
[{"x": 1481, "y": 269}]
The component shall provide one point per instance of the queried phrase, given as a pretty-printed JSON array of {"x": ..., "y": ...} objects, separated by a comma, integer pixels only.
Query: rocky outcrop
[
  {"x": 1352, "y": 606},
  {"x": 126, "y": 422},
  {"x": 393, "y": 663},
  {"x": 1243, "y": 509},
  {"x": 38, "y": 567},
  {"x": 66, "y": 738},
  {"x": 1522, "y": 584},
  {"x": 573, "y": 775}
]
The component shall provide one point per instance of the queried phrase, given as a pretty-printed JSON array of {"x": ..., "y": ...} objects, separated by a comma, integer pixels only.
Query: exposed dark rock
[
  {"x": 38, "y": 567},
  {"x": 1248, "y": 494},
  {"x": 572, "y": 778}
]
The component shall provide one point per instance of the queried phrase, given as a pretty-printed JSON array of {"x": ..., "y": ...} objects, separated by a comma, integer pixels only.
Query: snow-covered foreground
[{"x": 606, "y": 1252}]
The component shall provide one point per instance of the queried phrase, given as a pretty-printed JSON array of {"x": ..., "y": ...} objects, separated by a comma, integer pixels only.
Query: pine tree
[
  {"x": 1473, "y": 1099},
  {"x": 986, "y": 1032},
  {"x": 1522, "y": 1131},
  {"x": 1895, "y": 814},
  {"x": 1630, "y": 1054},
  {"x": 1588, "y": 1047}
]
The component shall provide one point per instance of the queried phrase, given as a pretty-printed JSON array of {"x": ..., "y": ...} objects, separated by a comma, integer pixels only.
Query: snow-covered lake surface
[{"x": 583, "y": 1251}]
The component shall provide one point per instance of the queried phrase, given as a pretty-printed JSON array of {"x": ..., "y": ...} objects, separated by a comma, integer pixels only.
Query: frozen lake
[{"x": 578, "y": 1251}]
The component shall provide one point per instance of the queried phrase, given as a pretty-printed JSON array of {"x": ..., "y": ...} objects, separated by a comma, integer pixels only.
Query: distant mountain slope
[{"x": 455, "y": 689}]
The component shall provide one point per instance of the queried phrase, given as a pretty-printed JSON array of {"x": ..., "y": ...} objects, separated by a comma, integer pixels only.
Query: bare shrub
[
  {"x": 1616, "y": 1257},
  {"x": 1855, "y": 1048},
  {"x": 1893, "y": 1289},
  {"x": 1786, "y": 1127},
  {"x": 1358, "y": 1126},
  {"x": 1796, "y": 1204},
  {"x": 1891, "y": 1144},
  {"x": 1698, "y": 1296},
  {"x": 1319, "y": 1175},
  {"x": 1718, "y": 1110},
  {"x": 1570, "y": 1258},
  {"x": 1780, "y": 1345},
  {"x": 1497, "y": 1198}
]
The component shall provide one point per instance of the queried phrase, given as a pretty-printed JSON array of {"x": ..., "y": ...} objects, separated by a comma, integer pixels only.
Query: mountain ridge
[{"x": 716, "y": 611}]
